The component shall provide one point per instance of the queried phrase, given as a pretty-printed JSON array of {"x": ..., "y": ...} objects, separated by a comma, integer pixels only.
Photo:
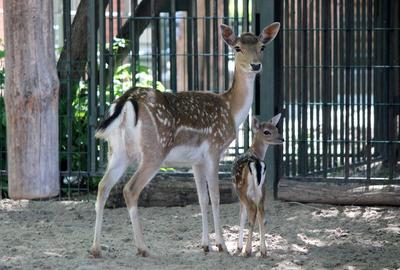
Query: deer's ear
[
  {"x": 274, "y": 120},
  {"x": 228, "y": 35},
  {"x": 256, "y": 124},
  {"x": 269, "y": 32}
]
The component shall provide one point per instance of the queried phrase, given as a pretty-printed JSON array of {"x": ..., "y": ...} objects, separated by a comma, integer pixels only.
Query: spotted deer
[
  {"x": 249, "y": 178},
  {"x": 192, "y": 128}
]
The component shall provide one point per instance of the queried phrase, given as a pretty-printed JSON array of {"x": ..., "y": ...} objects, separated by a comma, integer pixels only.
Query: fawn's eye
[
  {"x": 262, "y": 48},
  {"x": 266, "y": 132},
  {"x": 237, "y": 48}
]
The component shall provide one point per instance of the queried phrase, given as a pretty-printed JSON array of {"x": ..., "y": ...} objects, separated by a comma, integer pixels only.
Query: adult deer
[{"x": 188, "y": 128}]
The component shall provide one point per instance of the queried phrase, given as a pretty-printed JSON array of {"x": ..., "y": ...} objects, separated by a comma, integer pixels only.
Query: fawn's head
[
  {"x": 267, "y": 132},
  {"x": 249, "y": 47}
]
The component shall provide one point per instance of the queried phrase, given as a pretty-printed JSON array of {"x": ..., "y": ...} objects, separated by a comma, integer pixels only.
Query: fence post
[{"x": 268, "y": 92}]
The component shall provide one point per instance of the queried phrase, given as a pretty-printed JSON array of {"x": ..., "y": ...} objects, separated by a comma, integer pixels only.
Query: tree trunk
[{"x": 31, "y": 99}]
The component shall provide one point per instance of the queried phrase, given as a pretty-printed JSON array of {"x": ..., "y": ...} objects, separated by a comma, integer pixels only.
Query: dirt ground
[{"x": 58, "y": 235}]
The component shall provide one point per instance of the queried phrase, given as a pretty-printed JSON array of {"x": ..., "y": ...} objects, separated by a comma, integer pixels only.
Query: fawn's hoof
[
  {"x": 263, "y": 253},
  {"x": 247, "y": 253},
  {"x": 206, "y": 248},
  {"x": 95, "y": 252},
  {"x": 143, "y": 253}
]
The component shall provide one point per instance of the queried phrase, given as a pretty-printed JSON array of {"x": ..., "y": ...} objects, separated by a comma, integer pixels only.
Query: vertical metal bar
[
  {"x": 154, "y": 46},
  {"x": 119, "y": 21},
  {"x": 342, "y": 90},
  {"x": 195, "y": 41},
  {"x": 286, "y": 85},
  {"x": 245, "y": 15},
  {"x": 358, "y": 74},
  {"x": 172, "y": 40},
  {"x": 335, "y": 84},
  {"x": 303, "y": 104},
  {"x": 299, "y": 70},
  {"x": 363, "y": 86},
  {"x": 215, "y": 48},
  {"x": 111, "y": 50},
  {"x": 133, "y": 41},
  {"x": 318, "y": 83},
  {"x": 311, "y": 48},
  {"x": 293, "y": 88},
  {"x": 326, "y": 88},
  {"x": 102, "y": 69},
  {"x": 226, "y": 51},
  {"x": 349, "y": 92},
  {"x": 207, "y": 45},
  {"x": 92, "y": 115},
  {"x": 102, "y": 48}
]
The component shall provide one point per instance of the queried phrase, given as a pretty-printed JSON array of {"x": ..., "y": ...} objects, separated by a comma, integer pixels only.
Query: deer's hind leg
[
  {"x": 146, "y": 171},
  {"x": 118, "y": 163}
]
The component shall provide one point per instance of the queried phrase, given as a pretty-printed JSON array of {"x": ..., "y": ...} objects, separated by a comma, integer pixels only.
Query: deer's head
[
  {"x": 248, "y": 47},
  {"x": 267, "y": 132}
]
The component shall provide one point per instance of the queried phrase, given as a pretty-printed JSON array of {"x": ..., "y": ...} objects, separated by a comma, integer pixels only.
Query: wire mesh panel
[{"x": 340, "y": 88}]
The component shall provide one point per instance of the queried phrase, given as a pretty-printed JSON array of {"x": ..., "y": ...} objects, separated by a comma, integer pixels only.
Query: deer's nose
[{"x": 255, "y": 67}]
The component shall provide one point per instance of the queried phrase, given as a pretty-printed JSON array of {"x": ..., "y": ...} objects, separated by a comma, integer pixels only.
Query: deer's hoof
[
  {"x": 222, "y": 248},
  {"x": 247, "y": 253},
  {"x": 143, "y": 253},
  {"x": 206, "y": 248},
  {"x": 238, "y": 250},
  {"x": 263, "y": 253},
  {"x": 95, "y": 252}
]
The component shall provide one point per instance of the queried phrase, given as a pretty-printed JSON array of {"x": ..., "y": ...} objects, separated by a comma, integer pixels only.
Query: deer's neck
[
  {"x": 259, "y": 149},
  {"x": 240, "y": 95}
]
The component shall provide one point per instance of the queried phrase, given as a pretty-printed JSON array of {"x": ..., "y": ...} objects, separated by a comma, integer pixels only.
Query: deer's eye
[
  {"x": 237, "y": 48},
  {"x": 262, "y": 48},
  {"x": 266, "y": 132}
]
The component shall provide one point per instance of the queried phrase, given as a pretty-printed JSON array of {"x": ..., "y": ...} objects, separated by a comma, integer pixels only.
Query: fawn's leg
[
  {"x": 132, "y": 189},
  {"x": 211, "y": 169},
  {"x": 201, "y": 185},
  {"x": 252, "y": 213},
  {"x": 242, "y": 221},
  {"x": 261, "y": 224},
  {"x": 118, "y": 162}
]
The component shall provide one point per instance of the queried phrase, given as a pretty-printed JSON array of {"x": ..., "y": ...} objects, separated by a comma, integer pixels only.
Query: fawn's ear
[
  {"x": 228, "y": 35},
  {"x": 256, "y": 124},
  {"x": 274, "y": 120},
  {"x": 269, "y": 32}
]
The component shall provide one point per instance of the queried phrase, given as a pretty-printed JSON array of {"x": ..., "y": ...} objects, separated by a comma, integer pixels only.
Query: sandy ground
[{"x": 58, "y": 235}]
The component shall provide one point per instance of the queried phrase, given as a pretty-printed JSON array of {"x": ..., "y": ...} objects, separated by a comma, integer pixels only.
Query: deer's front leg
[
  {"x": 201, "y": 186},
  {"x": 213, "y": 188},
  {"x": 260, "y": 217},
  {"x": 242, "y": 221},
  {"x": 252, "y": 212}
]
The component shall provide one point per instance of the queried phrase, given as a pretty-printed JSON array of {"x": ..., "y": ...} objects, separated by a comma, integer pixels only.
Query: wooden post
[{"x": 31, "y": 99}]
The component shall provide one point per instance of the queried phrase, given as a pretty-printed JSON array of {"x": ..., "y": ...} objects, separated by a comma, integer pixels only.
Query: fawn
[
  {"x": 187, "y": 128},
  {"x": 249, "y": 177}
]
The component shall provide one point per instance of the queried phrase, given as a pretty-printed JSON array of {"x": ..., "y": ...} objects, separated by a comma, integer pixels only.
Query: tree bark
[{"x": 31, "y": 99}]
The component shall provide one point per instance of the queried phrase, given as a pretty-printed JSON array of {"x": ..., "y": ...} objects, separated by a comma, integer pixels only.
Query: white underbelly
[{"x": 186, "y": 155}]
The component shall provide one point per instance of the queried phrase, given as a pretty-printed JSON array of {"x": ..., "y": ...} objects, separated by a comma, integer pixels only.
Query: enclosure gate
[{"x": 341, "y": 88}]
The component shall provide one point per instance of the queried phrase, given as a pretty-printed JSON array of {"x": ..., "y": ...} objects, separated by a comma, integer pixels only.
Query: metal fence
[
  {"x": 341, "y": 89},
  {"x": 333, "y": 71}
]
